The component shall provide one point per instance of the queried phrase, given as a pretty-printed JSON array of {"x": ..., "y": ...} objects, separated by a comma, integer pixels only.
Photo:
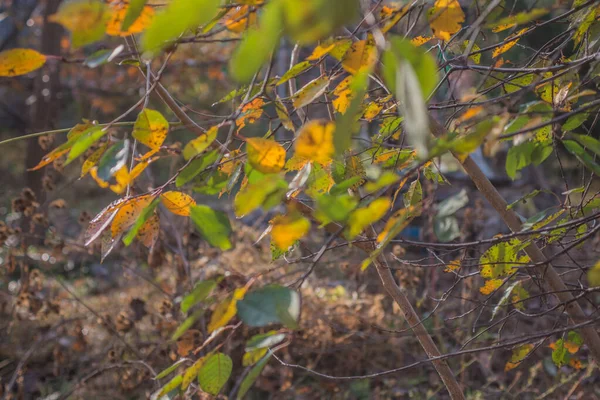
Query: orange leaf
[
  {"x": 118, "y": 12},
  {"x": 250, "y": 113},
  {"x": 128, "y": 212},
  {"x": 148, "y": 233},
  {"x": 236, "y": 20},
  {"x": 177, "y": 202},
  {"x": 508, "y": 45}
]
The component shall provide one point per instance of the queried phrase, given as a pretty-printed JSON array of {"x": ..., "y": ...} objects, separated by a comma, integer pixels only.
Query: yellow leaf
[
  {"x": 446, "y": 18},
  {"x": 266, "y": 156},
  {"x": 344, "y": 95},
  {"x": 287, "y": 229},
  {"x": 191, "y": 373},
  {"x": 362, "y": 54},
  {"x": 594, "y": 275},
  {"x": 309, "y": 92},
  {"x": 122, "y": 178},
  {"x": 93, "y": 159},
  {"x": 321, "y": 50},
  {"x": 225, "y": 310},
  {"x": 177, "y": 202},
  {"x": 391, "y": 15},
  {"x": 315, "y": 141},
  {"x": 283, "y": 115},
  {"x": 128, "y": 213},
  {"x": 150, "y": 128},
  {"x": 452, "y": 265},
  {"x": 253, "y": 356},
  {"x": 365, "y": 216},
  {"x": 86, "y": 19},
  {"x": 503, "y": 27},
  {"x": 20, "y": 61},
  {"x": 94, "y": 174},
  {"x": 509, "y": 44},
  {"x": 490, "y": 286},
  {"x": 250, "y": 113},
  {"x": 118, "y": 12},
  {"x": 421, "y": 40},
  {"x": 518, "y": 355},
  {"x": 148, "y": 233},
  {"x": 237, "y": 19},
  {"x": 397, "y": 223},
  {"x": 201, "y": 143}
]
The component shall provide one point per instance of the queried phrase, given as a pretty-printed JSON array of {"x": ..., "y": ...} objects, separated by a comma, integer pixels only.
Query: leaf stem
[{"x": 63, "y": 130}]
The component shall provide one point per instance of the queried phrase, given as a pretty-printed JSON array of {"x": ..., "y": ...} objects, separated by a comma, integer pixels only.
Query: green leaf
[
  {"x": 268, "y": 305},
  {"x": 178, "y": 17},
  {"x": 452, "y": 204},
  {"x": 252, "y": 376},
  {"x": 265, "y": 192},
  {"x": 101, "y": 57},
  {"x": 198, "y": 294},
  {"x": 594, "y": 275},
  {"x": 113, "y": 159},
  {"x": 201, "y": 143},
  {"x": 214, "y": 373},
  {"x": 172, "y": 385},
  {"x": 423, "y": 64},
  {"x": 589, "y": 143},
  {"x": 518, "y": 157},
  {"x": 582, "y": 155},
  {"x": 446, "y": 229},
  {"x": 574, "y": 122},
  {"x": 144, "y": 215},
  {"x": 213, "y": 225},
  {"x": 186, "y": 324},
  {"x": 195, "y": 167},
  {"x": 523, "y": 199},
  {"x": 294, "y": 71},
  {"x": 84, "y": 142},
  {"x": 560, "y": 355},
  {"x": 411, "y": 74},
  {"x": 133, "y": 12},
  {"x": 169, "y": 370},
  {"x": 414, "y": 195},
  {"x": 264, "y": 340},
  {"x": 257, "y": 44},
  {"x": 85, "y": 19},
  {"x": 334, "y": 208}
]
